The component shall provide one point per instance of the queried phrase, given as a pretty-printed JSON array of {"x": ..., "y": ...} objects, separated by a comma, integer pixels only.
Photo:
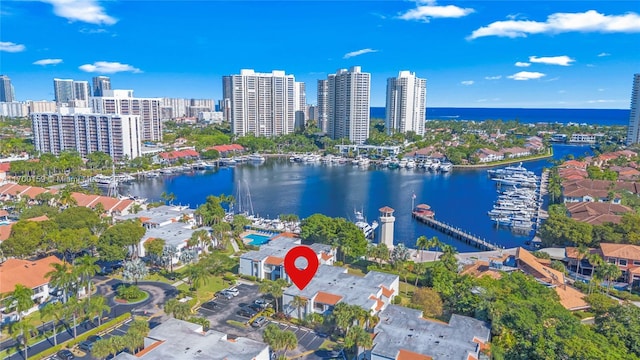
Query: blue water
[
  {"x": 461, "y": 198},
  {"x": 257, "y": 240},
  {"x": 588, "y": 116}
]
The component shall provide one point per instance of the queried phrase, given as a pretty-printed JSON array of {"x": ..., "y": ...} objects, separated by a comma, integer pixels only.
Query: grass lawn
[{"x": 206, "y": 291}]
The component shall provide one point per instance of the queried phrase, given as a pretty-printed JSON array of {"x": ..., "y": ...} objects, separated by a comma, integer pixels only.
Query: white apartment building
[
  {"x": 13, "y": 109},
  {"x": 81, "y": 90},
  {"x": 406, "y": 103},
  {"x": 116, "y": 135},
  {"x": 122, "y": 102},
  {"x": 323, "y": 104},
  {"x": 633, "y": 135},
  {"x": 262, "y": 104},
  {"x": 41, "y": 106},
  {"x": 300, "y": 105},
  {"x": 101, "y": 83},
  {"x": 348, "y": 105}
]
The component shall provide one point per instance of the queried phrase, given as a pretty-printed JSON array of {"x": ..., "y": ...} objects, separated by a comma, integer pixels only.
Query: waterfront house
[
  {"x": 487, "y": 155},
  {"x": 29, "y": 273},
  {"x": 627, "y": 257},
  {"x": 268, "y": 261},
  {"x": 515, "y": 152},
  {"x": 333, "y": 284},
  {"x": 583, "y": 138},
  {"x": 179, "y": 339},
  {"x": 172, "y": 157},
  {"x": 534, "y": 143},
  {"x": 227, "y": 150},
  {"x": 403, "y": 334}
]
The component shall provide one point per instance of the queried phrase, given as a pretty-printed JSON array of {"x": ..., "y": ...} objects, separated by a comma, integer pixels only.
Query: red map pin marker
[{"x": 301, "y": 277}]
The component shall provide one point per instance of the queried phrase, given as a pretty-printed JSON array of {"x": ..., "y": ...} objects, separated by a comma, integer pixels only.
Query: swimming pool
[{"x": 258, "y": 239}]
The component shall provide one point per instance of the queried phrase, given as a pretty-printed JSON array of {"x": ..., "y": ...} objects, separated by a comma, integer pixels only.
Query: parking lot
[{"x": 227, "y": 310}]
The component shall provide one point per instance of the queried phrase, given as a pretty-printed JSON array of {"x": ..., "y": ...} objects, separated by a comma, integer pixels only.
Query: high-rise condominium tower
[
  {"x": 122, "y": 102},
  {"x": 262, "y": 104},
  {"x": 6, "y": 89},
  {"x": 300, "y": 104},
  {"x": 63, "y": 90},
  {"x": 633, "y": 135},
  {"x": 323, "y": 104},
  {"x": 406, "y": 103},
  {"x": 100, "y": 84},
  {"x": 348, "y": 105},
  {"x": 81, "y": 90}
]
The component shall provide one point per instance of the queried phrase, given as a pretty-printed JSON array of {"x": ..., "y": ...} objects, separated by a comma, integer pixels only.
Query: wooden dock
[{"x": 455, "y": 232}]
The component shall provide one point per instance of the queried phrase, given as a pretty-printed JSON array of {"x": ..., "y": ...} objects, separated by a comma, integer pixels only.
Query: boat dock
[{"x": 454, "y": 232}]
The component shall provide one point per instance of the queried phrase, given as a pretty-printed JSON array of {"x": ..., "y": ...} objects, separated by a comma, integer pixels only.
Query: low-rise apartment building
[
  {"x": 627, "y": 257},
  {"x": 403, "y": 334},
  {"x": 268, "y": 261},
  {"x": 333, "y": 284}
]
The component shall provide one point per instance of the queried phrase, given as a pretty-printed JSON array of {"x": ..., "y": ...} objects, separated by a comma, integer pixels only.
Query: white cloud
[
  {"x": 426, "y": 12},
  {"x": 467, "y": 82},
  {"x": 526, "y": 75},
  {"x": 11, "y": 47},
  {"x": 497, "y": 77},
  {"x": 603, "y": 54},
  {"x": 603, "y": 101},
  {"x": 88, "y": 11},
  {"x": 44, "y": 62},
  {"x": 601, "y": 89},
  {"x": 522, "y": 64},
  {"x": 589, "y": 21},
  {"x": 552, "y": 60},
  {"x": 107, "y": 67},
  {"x": 358, "y": 53}
]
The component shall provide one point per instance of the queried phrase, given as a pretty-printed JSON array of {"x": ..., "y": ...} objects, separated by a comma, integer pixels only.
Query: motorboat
[{"x": 255, "y": 157}]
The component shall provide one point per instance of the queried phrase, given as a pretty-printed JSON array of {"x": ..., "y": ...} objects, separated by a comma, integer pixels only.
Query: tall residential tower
[
  {"x": 262, "y": 104},
  {"x": 323, "y": 104},
  {"x": 100, "y": 84},
  {"x": 633, "y": 136},
  {"x": 122, "y": 102},
  {"x": 406, "y": 103},
  {"x": 348, "y": 105},
  {"x": 63, "y": 90},
  {"x": 6, "y": 89}
]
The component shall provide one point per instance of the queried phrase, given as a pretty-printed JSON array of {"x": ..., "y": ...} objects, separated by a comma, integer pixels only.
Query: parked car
[
  {"x": 247, "y": 312},
  {"x": 255, "y": 307},
  {"x": 87, "y": 345},
  {"x": 262, "y": 303},
  {"x": 225, "y": 295},
  {"x": 65, "y": 355},
  {"x": 259, "y": 322},
  {"x": 210, "y": 305},
  {"x": 233, "y": 291}
]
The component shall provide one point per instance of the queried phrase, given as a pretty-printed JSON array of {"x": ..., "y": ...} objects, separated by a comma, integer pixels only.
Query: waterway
[{"x": 460, "y": 198}]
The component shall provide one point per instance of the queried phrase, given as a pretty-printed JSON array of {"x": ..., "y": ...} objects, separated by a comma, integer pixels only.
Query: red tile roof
[
  {"x": 386, "y": 292},
  {"x": 327, "y": 298},
  {"x": 273, "y": 260},
  {"x": 4, "y": 213},
  {"x": 226, "y": 148},
  {"x": 621, "y": 251},
  {"x": 39, "y": 218},
  {"x": 177, "y": 154},
  {"x": 5, "y": 166},
  {"x": 410, "y": 355},
  {"x": 25, "y": 272},
  {"x": 5, "y": 231}
]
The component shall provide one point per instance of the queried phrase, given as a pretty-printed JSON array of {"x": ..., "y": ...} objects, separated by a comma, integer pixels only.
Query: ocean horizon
[{"x": 523, "y": 115}]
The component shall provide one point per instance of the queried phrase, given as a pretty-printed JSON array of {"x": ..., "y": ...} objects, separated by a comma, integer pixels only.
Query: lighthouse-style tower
[{"x": 386, "y": 228}]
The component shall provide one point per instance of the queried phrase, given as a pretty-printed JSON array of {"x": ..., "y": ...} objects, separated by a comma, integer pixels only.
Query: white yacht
[
  {"x": 411, "y": 164},
  {"x": 435, "y": 165},
  {"x": 403, "y": 163},
  {"x": 446, "y": 166},
  {"x": 256, "y": 157}
]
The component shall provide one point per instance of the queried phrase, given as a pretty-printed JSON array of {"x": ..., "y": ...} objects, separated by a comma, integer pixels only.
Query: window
[
  {"x": 612, "y": 260},
  {"x": 622, "y": 262},
  {"x": 318, "y": 307},
  {"x": 636, "y": 262}
]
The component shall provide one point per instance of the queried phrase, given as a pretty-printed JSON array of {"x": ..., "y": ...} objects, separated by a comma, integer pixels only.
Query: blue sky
[{"x": 560, "y": 54}]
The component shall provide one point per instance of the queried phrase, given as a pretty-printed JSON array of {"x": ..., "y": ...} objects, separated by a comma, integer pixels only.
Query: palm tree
[
  {"x": 422, "y": 243},
  {"x": 85, "y": 267},
  {"x": 102, "y": 349},
  {"x": 54, "y": 312},
  {"x": 73, "y": 309},
  {"x": 97, "y": 306},
  {"x": 288, "y": 340},
  {"x": 299, "y": 303},
  {"x": 62, "y": 277},
  {"x": 343, "y": 315},
  {"x": 357, "y": 337},
  {"x": 274, "y": 288},
  {"x": 583, "y": 251},
  {"x": 596, "y": 262},
  {"x": 200, "y": 237},
  {"x": 419, "y": 269},
  {"x": 21, "y": 295},
  {"x": 434, "y": 242},
  {"x": 611, "y": 272},
  {"x": 23, "y": 332},
  {"x": 198, "y": 275}
]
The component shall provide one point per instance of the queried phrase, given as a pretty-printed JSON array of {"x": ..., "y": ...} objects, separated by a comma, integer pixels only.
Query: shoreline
[{"x": 505, "y": 162}]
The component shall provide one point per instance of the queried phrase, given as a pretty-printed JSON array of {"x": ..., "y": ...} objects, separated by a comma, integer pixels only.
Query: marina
[{"x": 282, "y": 186}]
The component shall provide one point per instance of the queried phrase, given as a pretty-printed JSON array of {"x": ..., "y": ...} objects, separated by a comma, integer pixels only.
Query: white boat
[
  {"x": 103, "y": 179},
  {"x": 151, "y": 174},
  {"x": 227, "y": 162},
  {"x": 364, "y": 161},
  {"x": 166, "y": 171},
  {"x": 411, "y": 164},
  {"x": 435, "y": 165},
  {"x": 367, "y": 229},
  {"x": 403, "y": 163},
  {"x": 446, "y": 166},
  {"x": 386, "y": 161},
  {"x": 256, "y": 157}
]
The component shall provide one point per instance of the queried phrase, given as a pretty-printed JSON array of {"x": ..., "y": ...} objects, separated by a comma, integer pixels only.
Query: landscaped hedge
[{"x": 71, "y": 343}]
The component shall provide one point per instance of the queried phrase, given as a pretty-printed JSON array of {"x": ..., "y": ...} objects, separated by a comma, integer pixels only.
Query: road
[{"x": 158, "y": 293}]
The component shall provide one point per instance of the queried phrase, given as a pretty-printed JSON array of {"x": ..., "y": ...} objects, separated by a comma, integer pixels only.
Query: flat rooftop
[
  {"x": 182, "y": 340},
  {"x": 174, "y": 234},
  {"x": 160, "y": 214},
  {"x": 404, "y": 329},
  {"x": 278, "y": 246},
  {"x": 354, "y": 290}
]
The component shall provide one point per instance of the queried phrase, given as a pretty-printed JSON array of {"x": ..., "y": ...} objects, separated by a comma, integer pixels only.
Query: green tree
[
  {"x": 154, "y": 248},
  {"x": 115, "y": 242},
  {"x": 357, "y": 337},
  {"x": 63, "y": 278},
  {"x": 74, "y": 309},
  {"x": 85, "y": 267},
  {"x": 103, "y": 348},
  {"x": 299, "y": 303},
  {"x": 97, "y": 306},
  {"x": 273, "y": 288},
  {"x": 198, "y": 276},
  {"x": 179, "y": 310},
  {"x": 134, "y": 271},
  {"x": 23, "y": 331},
  {"x": 53, "y": 311},
  {"x": 429, "y": 301}
]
